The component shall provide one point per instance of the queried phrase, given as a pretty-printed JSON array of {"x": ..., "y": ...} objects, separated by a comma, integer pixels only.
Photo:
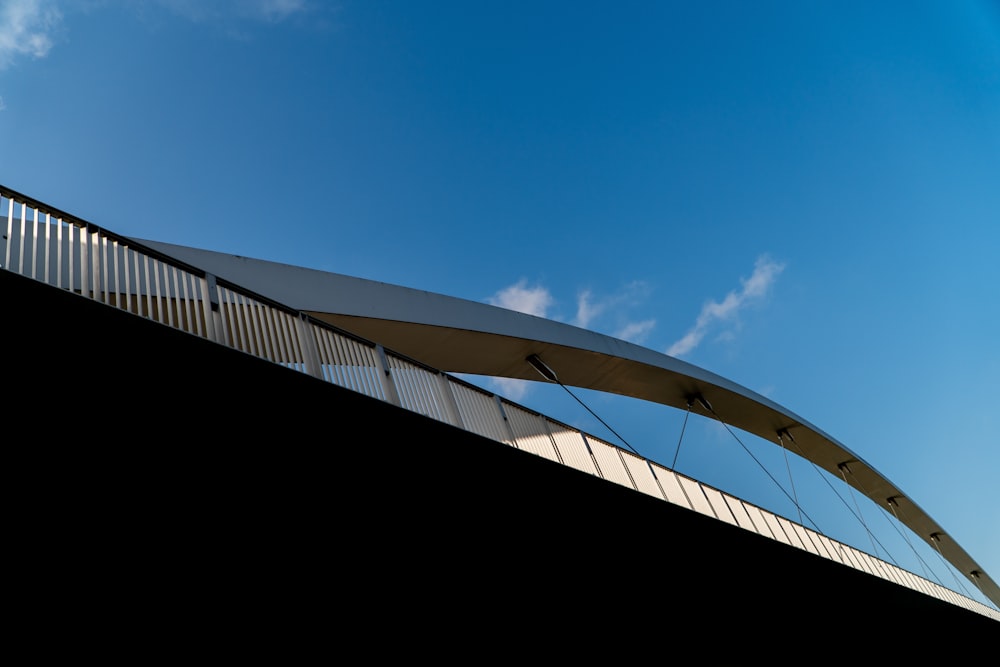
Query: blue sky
[{"x": 803, "y": 197}]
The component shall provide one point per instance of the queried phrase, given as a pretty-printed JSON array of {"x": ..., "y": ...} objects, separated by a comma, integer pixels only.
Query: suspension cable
[
  {"x": 673, "y": 466},
  {"x": 826, "y": 480},
  {"x": 843, "y": 472},
  {"x": 936, "y": 541},
  {"x": 893, "y": 505},
  {"x": 791, "y": 481},
  {"x": 551, "y": 376},
  {"x": 928, "y": 571},
  {"x": 708, "y": 407}
]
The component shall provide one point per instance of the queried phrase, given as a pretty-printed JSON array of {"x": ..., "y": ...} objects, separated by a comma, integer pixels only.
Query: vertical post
[
  {"x": 506, "y": 421},
  {"x": 85, "y": 280},
  {"x": 20, "y": 250},
  {"x": 95, "y": 264},
  {"x": 308, "y": 346},
  {"x": 450, "y": 405},
  {"x": 10, "y": 232},
  {"x": 593, "y": 457},
  {"x": 385, "y": 377},
  {"x": 656, "y": 479},
  {"x": 552, "y": 440},
  {"x": 34, "y": 245},
  {"x": 210, "y": 304},
  {"x": 48, "y": 242}
]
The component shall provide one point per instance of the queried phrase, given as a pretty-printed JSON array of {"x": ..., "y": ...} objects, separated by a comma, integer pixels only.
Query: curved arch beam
[{"x": 460, "y": 336}]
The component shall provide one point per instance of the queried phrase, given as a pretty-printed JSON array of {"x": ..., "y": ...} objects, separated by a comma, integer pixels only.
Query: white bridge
[{"x": 401, "y": 346}]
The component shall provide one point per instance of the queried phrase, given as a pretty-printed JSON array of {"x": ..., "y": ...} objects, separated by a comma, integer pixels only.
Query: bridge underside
[{"x": 166, "y": 473}]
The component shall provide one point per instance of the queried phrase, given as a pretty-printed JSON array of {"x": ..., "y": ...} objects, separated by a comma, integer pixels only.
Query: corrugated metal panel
[
  {"x": 891, "y": 571},
  {"x": 759, "y": 522},
  {"x": 479, "y": 412},
  {"x": 739, "y": 512},
  {"x": 695, "y": 495},
  {"x": 775, "y": 526},
  {"x": 852, "y": 556},
  {"x": 793, "y": 538},
  {"x": 719, "y": 505},
  {"x": 671, "y": 486},
  {"x": 806, "y": 538},
  {"x": 822, "y": 545},
  {"x": 610, "y": 463},
  {"x": 642, "y": 476},
  {"x": 530, "y": 433},
  {"x": 832, "y": 548},
  {"x": 417, "y": 389},
  {"x": 572, "y": 448}
]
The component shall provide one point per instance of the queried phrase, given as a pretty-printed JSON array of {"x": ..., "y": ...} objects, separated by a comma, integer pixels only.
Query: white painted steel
[
  {"x": 641, "y": 474},
  {"x": 671, "y": 485},
  {"x": 775, "y": 527},
  {"x": 10, "y": 235},
  {"x": 810, "y": 538},
  {"x": 105, "y": 274},
  {"x": 94, "y": 257},
  {"x": 503, "y": 406},
  {"x": 300, "y": 345},
  {"x": 793, "y": 538},
  {"x": 530, "y": 433},
  {"x": 609, "y": 462},
  {"x": 737, "y": 511},
  {"x": 480, "y": 412},
  {"x": 496, "y": 342},
  {"x": 719, "y": 505},
  {"x": 307, "y": 338},
  {"x": 573, "y": 450},
  {"x": 695, "y": 496},
  {"x": 450, "y": 407},
  {"x": 48, "y": 243},
  {"x": 59, "y": 251},
  {"x": 20, "y": 256},
  {"x": 418, "y": 389}
]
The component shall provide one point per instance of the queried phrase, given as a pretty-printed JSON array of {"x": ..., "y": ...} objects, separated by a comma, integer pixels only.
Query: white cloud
[
  {"x": 276, "y": 10},
  {"x": 271, "y": 11},
  {"x": 510, "y": 388},
  {"x": 712, "y": 313},
  {"x": 635, "y": 332},
  {"x": 537, "y": 300},
  {"x": 524, "y": 299},
  {"x": 586, "y": 309},
  {"x": 26, "y": 28}
]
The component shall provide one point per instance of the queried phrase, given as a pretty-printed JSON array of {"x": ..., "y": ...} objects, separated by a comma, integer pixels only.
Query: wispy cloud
[
  {"x": 510, "y": 388},
  {"x": 590, "y": 309},
  {"x": 27, "y": 29},
  {"x": 271, "y": 11},
  {"x": 276, "y": 10},
  {"x": 538, "y": 300},
  {"x": 713, "y": 313},
  {"x": 586, "y": 309},
  {"x": 636, "y": 332},
  {"x": 524, "y": 299}
]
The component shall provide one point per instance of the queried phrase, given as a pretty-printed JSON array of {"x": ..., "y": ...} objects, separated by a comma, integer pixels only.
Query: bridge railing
[{"x": 66, "y": 252}]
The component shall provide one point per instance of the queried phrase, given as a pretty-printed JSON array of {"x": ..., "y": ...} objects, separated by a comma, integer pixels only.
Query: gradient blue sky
[{"x": 803, "y": 197}]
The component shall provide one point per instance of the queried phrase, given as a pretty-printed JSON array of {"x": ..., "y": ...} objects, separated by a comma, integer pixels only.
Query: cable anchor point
[
  {"x": 701, "y": 400},
  {"x": 542, "y": 368}
]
